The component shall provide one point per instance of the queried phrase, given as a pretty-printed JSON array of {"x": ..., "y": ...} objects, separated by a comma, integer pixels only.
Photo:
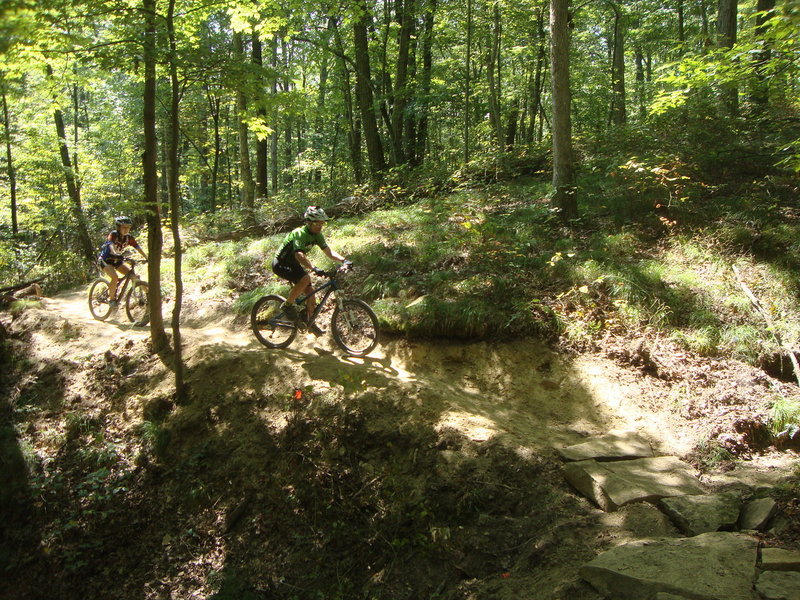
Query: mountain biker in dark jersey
[
  {"x": 111, "y": 257},
  {"x": 292, "y": 264}
]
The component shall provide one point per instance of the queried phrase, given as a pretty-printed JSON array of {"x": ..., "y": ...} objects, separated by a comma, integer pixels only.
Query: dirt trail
[
  {"x": 419, "y": 434},
  {"x": 521, "y": 391}
]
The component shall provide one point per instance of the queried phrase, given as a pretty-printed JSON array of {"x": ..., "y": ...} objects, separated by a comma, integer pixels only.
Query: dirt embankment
[{"x": 426, "y": 469}]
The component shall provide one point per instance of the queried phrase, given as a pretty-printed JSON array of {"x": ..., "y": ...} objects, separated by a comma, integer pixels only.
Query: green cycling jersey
[{"x": 299, "y": 240}]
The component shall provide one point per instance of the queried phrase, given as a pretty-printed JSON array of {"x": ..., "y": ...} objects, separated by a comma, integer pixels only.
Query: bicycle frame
[
  {"x": 331, "y": 286},
  {"x": 122, "y": 284}
]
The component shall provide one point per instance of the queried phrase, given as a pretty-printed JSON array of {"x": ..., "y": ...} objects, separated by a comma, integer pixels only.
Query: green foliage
[{"x": 785, "y": 418}]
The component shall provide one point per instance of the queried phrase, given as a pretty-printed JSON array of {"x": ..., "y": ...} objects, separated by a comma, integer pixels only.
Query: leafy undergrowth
[
  {"x": 494, "y": 262},
  {"x": 657, "y": 254},
  {"x": 248, "y": 492}
]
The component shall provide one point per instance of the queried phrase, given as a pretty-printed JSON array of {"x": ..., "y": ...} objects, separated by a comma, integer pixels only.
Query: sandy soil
[
  {"x": 520, "y": 392},
  {"x": 495, "y": 410}
]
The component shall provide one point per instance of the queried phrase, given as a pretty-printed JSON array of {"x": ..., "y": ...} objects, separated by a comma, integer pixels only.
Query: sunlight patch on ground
[{"x": 471, "y": 426}]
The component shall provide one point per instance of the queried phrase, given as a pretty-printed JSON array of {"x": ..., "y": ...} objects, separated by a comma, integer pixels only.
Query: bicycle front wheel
[
  {"x": 271, "y": 326},
  {"x": 136, "y": 304},
  {"x": 355, "y": 327},
  {"x": 99, "y": 300}
]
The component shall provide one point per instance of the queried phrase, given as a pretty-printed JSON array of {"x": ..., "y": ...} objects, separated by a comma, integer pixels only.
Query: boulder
[
  {"x": 695, "y": 514},
  {"x": 757, "y": 514},
  {"x": 615, "y": 445},
  {"x": 614, "y": 484},
  {"x": 779, "y": 585},
  {"x": 778, "y": 559},
  {"x": 709, "y": 566}
]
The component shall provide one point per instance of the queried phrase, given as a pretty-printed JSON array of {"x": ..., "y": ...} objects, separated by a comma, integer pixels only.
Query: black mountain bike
[
  {"x": 354, "y": 325},
  {"x": 135, "y": 297}
]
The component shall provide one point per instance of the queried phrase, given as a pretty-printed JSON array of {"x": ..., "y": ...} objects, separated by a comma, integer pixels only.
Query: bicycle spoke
[
  {"x": 355, "y": 327},
  {"x": 270, "y": 326}
]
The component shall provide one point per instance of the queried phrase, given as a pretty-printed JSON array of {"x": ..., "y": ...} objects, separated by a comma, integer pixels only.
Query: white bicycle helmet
[
  {"x": 315, "y": 213},
  {"x": 122, "y": 220}
]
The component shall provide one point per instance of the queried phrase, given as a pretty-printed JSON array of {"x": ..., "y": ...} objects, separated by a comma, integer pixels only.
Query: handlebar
[{"x": 342, "y": 268}]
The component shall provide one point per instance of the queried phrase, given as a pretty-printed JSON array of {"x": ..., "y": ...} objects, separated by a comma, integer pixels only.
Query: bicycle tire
[
  {"x": 355, "y": 327},
  {"x": 136, "y": 304},
  {"x": 269, "y": 323},
  {"x": 98, "y": 300}
]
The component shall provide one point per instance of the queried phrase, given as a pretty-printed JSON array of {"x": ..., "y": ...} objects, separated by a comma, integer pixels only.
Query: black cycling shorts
[
  {"x": 110, "y": 262},
  {"x": 292, "y": 271}
]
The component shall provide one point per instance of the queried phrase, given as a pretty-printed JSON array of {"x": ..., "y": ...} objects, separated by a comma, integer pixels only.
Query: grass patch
[
  {"x": 493, "y": 261},
  {"x": 785, "y": 418}
]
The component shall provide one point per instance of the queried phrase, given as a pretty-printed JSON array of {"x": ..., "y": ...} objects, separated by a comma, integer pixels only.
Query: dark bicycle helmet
[
  {"x": 122, "y": 220},
  {"x": 315, "y": 213}
]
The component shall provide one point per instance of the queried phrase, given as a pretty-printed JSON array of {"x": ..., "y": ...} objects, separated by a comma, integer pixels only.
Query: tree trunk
[
  {"x": 288, "y": 121},
  {"x": 353, "y": 122},
  {"x": 158, "y": 336},
  {"x": 492, "y": 66},
  {"x": 262, "y": 144},
  {"x": 73, "y": 184},
  {"x": 535, "y": 106},
  {"x": 377, "y": 161},
  {"x": 618, "y": 115},
  {"x": 407, "y": 19},
  {"x": 12, "y": 175},
  {"x": 245, "y": 171},
  {"x": 564, "y": 190},
  {"x": 467, "y": 82},
  {"x": 173, "y": 167},
  {"x": 726, "y": 38},
  {"x": 273, "y": 138},
  {"x": 760, "y": 92},
  {"x": 425, "y": 83},
  {"x": 214, "y": 107},
  {"x": 640, "y": 84},
  {"x": 320, "y": 121}
]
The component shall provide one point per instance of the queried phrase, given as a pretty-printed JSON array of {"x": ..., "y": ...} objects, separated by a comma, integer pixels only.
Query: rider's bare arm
[
  {"x": 303, "y": 260},
  {"x": 333, "y": 255}
]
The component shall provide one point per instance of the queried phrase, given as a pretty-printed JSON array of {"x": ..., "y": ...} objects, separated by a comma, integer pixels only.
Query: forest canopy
[{"x": 287, "y": 103}]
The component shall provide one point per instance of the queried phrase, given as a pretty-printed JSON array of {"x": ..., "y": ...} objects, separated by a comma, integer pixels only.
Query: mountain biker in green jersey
[{"x": 292, "y": 264}]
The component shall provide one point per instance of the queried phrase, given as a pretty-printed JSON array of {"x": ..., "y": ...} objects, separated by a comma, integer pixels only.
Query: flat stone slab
[
  {"x": 614, "y": 484},
  {"x": 778, "y": 559},
  {"x": 710, "y": 566},
  {"x": 615, "y": 445},
  {"x": 697, "y": 514},
  {"x": 779, "y": 585},
  {"x": 756, "y": 514}
]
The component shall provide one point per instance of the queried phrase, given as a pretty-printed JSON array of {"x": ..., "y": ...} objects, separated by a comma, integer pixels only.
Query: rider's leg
[
  {"x": 311, "y": 302},
  {"x": 303, "y": 285},
  {"x": 113, "y": 281}
]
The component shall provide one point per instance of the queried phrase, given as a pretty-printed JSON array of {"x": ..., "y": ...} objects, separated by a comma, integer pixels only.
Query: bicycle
[
  {"x": 135, "y": 298},
  {"x": 354, "y": 325}
]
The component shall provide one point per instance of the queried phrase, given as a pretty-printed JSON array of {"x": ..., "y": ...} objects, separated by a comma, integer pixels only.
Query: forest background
[
  {"x": 611, "y": 176},
  {"x": 256, "y": 106},
  {"x": 230, "y": 117}
]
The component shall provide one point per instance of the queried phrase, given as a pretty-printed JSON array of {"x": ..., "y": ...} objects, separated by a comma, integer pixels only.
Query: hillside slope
[{"x": 427, "y": 469}]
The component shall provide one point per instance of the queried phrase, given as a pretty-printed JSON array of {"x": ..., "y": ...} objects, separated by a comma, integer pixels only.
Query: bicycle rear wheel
[
  {"x": 136, "y": 304},
  {"x": 355, "y": 327},
  {"x": 99, "y": 300},
  {"x": 271, "y": 326}
]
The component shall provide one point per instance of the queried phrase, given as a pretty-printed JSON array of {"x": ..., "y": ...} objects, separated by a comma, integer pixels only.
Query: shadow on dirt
[{"x": 423, "y": 471}]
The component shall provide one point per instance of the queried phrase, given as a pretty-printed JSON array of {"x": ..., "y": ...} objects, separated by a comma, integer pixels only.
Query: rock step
[
  {"x": 615, "y": 445},
  {"x": 614, "y": 484}
]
